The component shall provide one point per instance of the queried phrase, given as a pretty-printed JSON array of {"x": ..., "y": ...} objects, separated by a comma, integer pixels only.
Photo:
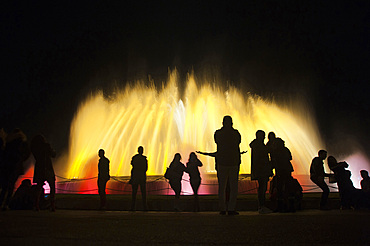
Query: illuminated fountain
[{"x": 164, "y": 123}]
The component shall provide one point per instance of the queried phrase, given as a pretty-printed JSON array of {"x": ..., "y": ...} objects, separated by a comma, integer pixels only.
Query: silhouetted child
[
  {"x": 194, "y": 174},
  {"x": 103, "y": 177},
  {"x": 138, "y": 177},
  {"x": 175, "y": 172}
]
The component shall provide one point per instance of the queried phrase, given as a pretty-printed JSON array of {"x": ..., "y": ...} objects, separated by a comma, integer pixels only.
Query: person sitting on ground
[
  {"x": 22, "y": 198},
  {"x": 294, "y": 192},
  {"x": 292, "y": 195},
  {"x": 283, "y": 172}
]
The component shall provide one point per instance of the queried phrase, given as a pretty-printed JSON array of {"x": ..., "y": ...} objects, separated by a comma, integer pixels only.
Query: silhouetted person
[
  {"x": 271, "y": 147},
  {"x": 283, "y": 172},
  {"x": 138, "y": 177},
  {"x": 294, "y": 193},
  {"x": 260, "y": 169},
  {"x": 15, "y": 153},
  {"x": 228, "y": 163},
  {"x": 194, "y": 174},
  {"x": 349, "y": 196},
  {"x": 213, "y": 154},
  {"x": 23, "y": 197},
  {"x": 365, "y": 182},
  {"x": 176, "y": 170},
  {"x": 44, "y": 170},
  {"x": 317, "y": 175},
  {"x": 365, "y": 187},
  {"x": 103, "y": 177}
]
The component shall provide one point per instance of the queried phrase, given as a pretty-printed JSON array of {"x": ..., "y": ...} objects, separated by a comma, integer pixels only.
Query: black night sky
[{"x": 54, "y": 53}]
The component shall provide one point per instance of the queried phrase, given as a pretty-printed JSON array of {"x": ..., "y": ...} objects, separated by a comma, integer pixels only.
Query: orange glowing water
[{"x": 164, "y": 123}]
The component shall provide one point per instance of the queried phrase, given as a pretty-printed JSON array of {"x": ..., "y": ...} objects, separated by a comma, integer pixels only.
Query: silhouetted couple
[
  {"x": 138, "y": 177},
  {"x": 288, "y": 189},
  {"x": 175, "y": 172},
  {"x": 350, "y": 197}
]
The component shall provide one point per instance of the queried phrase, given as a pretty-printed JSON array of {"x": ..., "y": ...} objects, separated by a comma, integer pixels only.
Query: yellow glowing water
[{"x": 164, "y": 124}]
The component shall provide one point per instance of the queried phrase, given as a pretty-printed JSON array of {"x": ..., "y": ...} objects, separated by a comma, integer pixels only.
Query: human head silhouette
[
  {"x": 101, "y": 153},
  {"x": 140, "y": 150},
  {"x": 37, "y": 142},
  {"x": 364, "y": 174},
  {"x": 279, "y": 143},
  {"x": 177, "y": 157},
  {"x": 271, "y": 136},
  {"x": 260, "y": 134},
  {"x": 227, "y": 121},
  {"x": 332, "y": 162},
  {"x": 323, "y": 154},
  {"x": 192, "y": 156}
]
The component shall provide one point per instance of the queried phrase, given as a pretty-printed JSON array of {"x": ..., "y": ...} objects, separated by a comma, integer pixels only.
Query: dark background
[{"x": 54, "y": 53}]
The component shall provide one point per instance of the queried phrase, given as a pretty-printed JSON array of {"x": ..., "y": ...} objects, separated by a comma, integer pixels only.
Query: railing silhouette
[{"x": 124, "y": 180}]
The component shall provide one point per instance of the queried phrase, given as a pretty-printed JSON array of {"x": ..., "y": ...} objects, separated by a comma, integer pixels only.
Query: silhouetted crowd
[
  {"x": 270, "y": 166},
  {"x": 15, "y": 153}
]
